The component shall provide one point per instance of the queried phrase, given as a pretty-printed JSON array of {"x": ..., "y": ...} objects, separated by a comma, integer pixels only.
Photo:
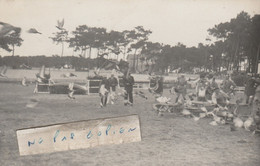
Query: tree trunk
[
  {"x": 97, "y": 52},
  {"x": 134, "y": 61},
  {"x": 62, "y": 48},
  {"x": 124, "y": 53},
  {"x": 137, "y": 63},
  {"x": 236, "y": 55},
  {"x": 13, "y": 50},
  {"x": 89, "y": 53},
  {"x": 257, "y": 58}
]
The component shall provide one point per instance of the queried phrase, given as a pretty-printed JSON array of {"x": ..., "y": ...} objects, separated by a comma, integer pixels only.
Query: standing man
[
  {"x": 250, "y": 89},
  {"x": 128, "y": 81},
  {"x": 113, "y": 83}
]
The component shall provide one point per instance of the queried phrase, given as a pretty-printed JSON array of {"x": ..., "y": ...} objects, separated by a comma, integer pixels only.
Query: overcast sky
[{"x": 171, "y": 21}]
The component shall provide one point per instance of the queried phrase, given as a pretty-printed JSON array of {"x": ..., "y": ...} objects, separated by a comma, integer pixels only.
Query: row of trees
[
  {"x": 58, "y": 62},
  {"x": 236, "y": 41},
  {"x": 86, "y": 38}
]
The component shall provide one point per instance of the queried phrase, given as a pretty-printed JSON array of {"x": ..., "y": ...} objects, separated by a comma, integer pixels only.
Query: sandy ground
[{"x": 168, "y": 140}]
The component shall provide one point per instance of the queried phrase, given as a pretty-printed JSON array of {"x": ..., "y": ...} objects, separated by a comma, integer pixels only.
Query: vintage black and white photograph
[{"x": 129, "y": 82}]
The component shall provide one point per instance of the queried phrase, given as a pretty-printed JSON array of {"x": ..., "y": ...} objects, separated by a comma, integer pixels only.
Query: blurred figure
[
  {"x": 220, "y": 98},
  {"x": 128, "y": 81},
  {"x": 68, "y": 75},
  {"x": 201, "y": 88},
  {"x": 24, "y": 82},
  {"x": 3, "y": 72},
  {"x": 228, "y": 85},
  {"x": 256, "y": 108},
  {"x": 113, "y": 82},
  {"x": 250, "y": 89},
  {"x": 159, "y": 86},
  {"x": 212, "y": 85},
  {"x": 158, "y": 89},
  {"x": 71, "y": 91},
  {"x": 103, "y": 91},
  {"x": 181, "y": 89}
]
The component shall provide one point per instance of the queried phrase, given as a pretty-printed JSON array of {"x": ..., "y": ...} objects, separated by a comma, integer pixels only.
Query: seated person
[
  {"x": 181, "y": 88},
  {"x": 159, "y": 86},
  {"x": 212, "y": 85},
  {"x": 220, "y": 98},
  {"x": 201, "y": 89},
  {"x": 228, "y": 85}
]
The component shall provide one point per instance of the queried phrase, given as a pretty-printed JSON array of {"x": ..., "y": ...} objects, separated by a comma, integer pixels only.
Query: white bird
[
  {"x": 33, "y": 103},
  {"x": 230, "y": 115},
  {"x": 60, "y": 24},
  {"x": 68, "y": 75},
  {"x": 6, "y": 29},
  {"x": 186, "y": 112},
  {"x": 217, "y": 119},
  {"x": 216, "y": 109},
  {"x": 202, "y": 115},
  {"x": 33, "y": 30},
  {"x": 163, "y": 99},
  {"x": 224, "y": 113},
  {"x": 248, "y": 123},
  {"x": 195, "y": 118},
  {"x": 24, "y": 81},
  {"x": 204, "y": 109},
  {"x": 238, "y": 122},
  {"x": 213, "y": 123},
  {"x": 223, "y": 121},
  {"x": 3, "y": 72}
]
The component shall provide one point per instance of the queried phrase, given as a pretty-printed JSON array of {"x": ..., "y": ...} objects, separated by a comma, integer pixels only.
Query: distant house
[{"x": 139, "y": 62}]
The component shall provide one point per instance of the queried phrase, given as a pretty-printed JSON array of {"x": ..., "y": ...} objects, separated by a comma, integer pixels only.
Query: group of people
[
  {"x": 206, "y": 89},
  {"x": 107, "y": 90}
]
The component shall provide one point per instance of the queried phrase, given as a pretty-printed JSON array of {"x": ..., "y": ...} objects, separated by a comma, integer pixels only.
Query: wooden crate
[
  {"x": 93, "y": 86},
  {"x": 43, "y": 88}
]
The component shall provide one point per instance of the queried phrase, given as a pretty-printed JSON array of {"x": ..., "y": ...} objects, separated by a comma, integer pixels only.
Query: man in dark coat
[
  {"x": 250, "y": 88},
  {"x": 128, "y": 82}
]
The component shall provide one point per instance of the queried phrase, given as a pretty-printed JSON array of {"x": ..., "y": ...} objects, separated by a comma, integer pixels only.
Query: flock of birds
[
  {"x": 6, "y": 29},
  {"x": 220, "y": 115}
]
